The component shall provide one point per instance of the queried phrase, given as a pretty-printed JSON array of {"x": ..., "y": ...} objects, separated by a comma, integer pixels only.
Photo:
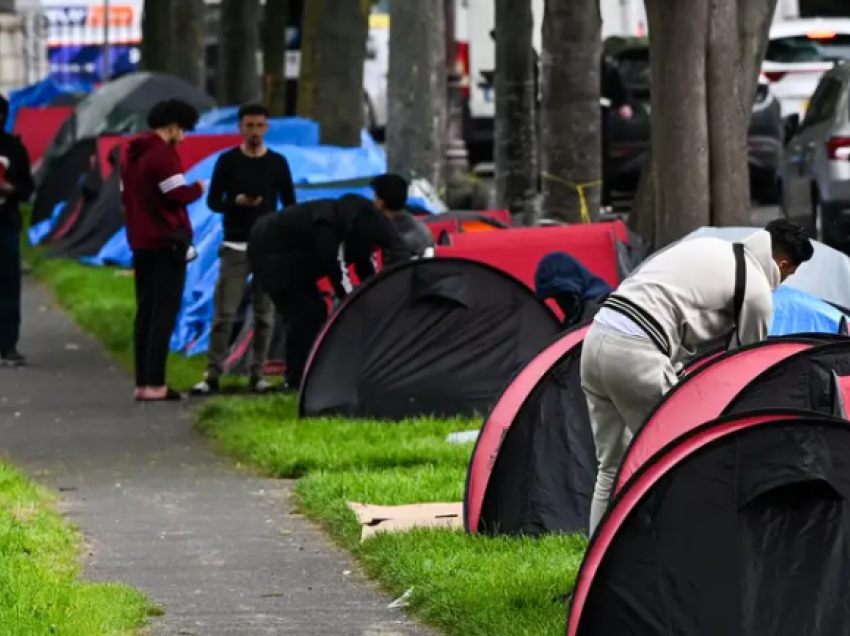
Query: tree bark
[
  {"x": 156, "y": 36},
  {"x": 642, "y": 219},
  {"x": 515, "y": 149},
  {"x": 333, "y": 52},
  {"x": 416, "y": 90},
  {"x": 274, "y": 56},
  {"x": 728, "y": 119},
  {"x": 754, "y": 20},
  {"x": 189, "y": 38},
  {"x": 570, "y": 111},
  {"x": 678, "y": 116},
  {"x": 237, "y": 51}
]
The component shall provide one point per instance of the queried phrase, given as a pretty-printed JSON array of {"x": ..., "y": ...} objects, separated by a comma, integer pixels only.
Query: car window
[
  {"x": 801, "y": 49},
  {"x": 824, "y": 101}
]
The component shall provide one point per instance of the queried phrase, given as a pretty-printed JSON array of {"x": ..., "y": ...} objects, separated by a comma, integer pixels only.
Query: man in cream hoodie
[{"x": 683, "y": 297}]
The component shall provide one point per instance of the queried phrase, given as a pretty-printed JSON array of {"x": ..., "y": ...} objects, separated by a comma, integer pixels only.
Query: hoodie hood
[
  {"x": 760, "y": 247},
  {"x": 559, "y": 273},
  {"x": 141, "y": 144}
]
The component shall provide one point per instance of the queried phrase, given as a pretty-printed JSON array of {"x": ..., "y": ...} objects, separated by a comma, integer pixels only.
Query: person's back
[
  {"x": 688, "y": 291},
  {"x": 413, "y": 233}
]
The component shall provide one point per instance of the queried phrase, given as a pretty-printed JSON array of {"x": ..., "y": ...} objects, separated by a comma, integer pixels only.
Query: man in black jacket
[
  {"x": 616, "y": 97},
  {"x": 248, "y": 182},
  {"x": 291, "y": 251},
  {"x": 16, "y": 187}
]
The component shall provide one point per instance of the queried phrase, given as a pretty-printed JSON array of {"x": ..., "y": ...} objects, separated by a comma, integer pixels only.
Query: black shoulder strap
[{"x": 740, "y": 286}]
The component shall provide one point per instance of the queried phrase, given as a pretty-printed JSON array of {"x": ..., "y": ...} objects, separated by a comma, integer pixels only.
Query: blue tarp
[
  {"x": 795, "y": 311},
  {"x": 41, "y": 94},
  {"x": 294, "y": 131}
]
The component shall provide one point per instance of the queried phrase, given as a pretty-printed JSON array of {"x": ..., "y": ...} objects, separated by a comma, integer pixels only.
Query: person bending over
[
  {"x": 291, "y": 251},
  {"x": 155, "y": 194},
  {"x": 16, "y": 187},
  {"x": 390, "y": 196},
  {"x": 576, "y": 291},
  {"x": 248, "y": 182},
  {"x": 694, "y": 292}
]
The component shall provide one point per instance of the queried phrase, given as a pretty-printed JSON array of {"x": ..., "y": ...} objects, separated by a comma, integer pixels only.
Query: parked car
[
  {"x": 630, "y": 139},
  {"x": 799, "y": 52},
  {"x": 815, "y": 173}
]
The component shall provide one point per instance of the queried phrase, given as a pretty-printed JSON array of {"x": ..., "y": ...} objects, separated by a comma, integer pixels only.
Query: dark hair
[
  {"x": 788, "y": 239},
  {"x": 391, "y": 189},
  {"x": 173, "y": 112},
  {"x": 248, "y": 110},
  {"x": 4, "y": 110}
]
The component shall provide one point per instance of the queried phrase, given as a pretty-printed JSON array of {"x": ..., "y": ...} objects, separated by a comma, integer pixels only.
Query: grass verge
[
  {"x": 462, "y": 584},
  {"x": 39, "y": 589},
  {"x": 102, "y": 301}
]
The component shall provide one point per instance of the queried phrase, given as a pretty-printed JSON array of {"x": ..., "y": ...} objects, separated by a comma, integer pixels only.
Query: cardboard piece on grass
[{"x": 374, "y": 519}]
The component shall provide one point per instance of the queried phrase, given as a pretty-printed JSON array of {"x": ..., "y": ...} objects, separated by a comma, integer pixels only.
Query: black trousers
[
  {"x": 160, "y": 277},
  {"x": 304, "y": 312},
  {"x": 10, "y": 290}
]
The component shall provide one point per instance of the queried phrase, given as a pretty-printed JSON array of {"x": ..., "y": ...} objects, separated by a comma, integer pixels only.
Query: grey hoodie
[{"x": 689, "y": 291}]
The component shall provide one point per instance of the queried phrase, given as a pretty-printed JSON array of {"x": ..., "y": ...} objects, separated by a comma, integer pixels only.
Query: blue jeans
[{"x": 10, "y": 290}]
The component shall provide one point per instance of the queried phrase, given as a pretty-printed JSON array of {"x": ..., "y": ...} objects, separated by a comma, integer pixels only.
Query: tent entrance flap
[{"x": 433, "y": 284}]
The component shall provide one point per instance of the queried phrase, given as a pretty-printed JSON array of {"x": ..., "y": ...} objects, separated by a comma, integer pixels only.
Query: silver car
[{"x": 814, "y": 180}]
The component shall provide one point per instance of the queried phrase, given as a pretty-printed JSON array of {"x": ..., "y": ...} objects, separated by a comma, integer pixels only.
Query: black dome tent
[
  {"x": 436, "y": 336},
  {"x": 788, "y": 372},
  {"x": 741, "y": 526},
  {"x": 533, "y": 469}
]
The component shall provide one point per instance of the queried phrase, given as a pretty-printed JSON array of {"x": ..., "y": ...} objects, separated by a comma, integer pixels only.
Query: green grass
[
  {"x": 462, "y": 584},
  {"x": 266, "y": 433},
  {"x": 39, "y": 563},
  {"x": 102, "y": 301}
]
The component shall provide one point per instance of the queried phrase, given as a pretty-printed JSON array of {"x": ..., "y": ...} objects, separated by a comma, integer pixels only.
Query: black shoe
[
  {"x": 170, "y": 396},
  {"x": 12, "y": 359},
  {"x": 205, "y": 388}
]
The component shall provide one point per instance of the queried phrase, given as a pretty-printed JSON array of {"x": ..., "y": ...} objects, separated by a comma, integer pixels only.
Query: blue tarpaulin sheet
[
  {"x": 795, "y": 311},
  {"x": 41, "y": 94}
]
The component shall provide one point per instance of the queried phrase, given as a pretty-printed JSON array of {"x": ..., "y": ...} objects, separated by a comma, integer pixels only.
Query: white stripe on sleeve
[
  {"x": 172, "y": 183},
  {"x": 343, "y": 266}
]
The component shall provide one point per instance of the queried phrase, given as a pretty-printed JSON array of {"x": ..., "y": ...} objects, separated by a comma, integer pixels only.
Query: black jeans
[
  {"x": 303, "y": 311},
  {"x": 160, "y": 277},
  {"x": 10, "y": 290}
]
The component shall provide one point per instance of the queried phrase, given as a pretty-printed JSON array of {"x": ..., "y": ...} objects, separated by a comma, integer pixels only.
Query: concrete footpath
[{"x": 218, "y": 549}]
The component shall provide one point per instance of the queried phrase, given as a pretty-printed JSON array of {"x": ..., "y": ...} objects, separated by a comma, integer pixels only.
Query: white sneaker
[
  {"x": 207, "y": 387},
  {"x": 261, "y": 386}
]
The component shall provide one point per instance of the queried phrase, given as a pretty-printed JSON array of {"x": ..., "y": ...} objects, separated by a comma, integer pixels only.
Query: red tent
[
  {"x": 448, "y": 223},
  {"x": 518, "y": 251},
  {"x": 36, "y": 126}
]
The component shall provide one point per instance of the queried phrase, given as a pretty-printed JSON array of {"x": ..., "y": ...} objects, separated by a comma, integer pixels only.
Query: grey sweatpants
[
  {"x": 623, "y": 378},
  {"x": 229, "y": 292}
]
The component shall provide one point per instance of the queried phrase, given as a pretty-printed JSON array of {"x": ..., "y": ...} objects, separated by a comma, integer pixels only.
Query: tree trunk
[
  {"x": 570, "y": 112},
  {"x": 333, "y": 52},
  {"x": 274, "y": 56},
  {"x": 642, "y": 219},
  {"x": 679, "y": 120},
  {"x": 156, "y": 36},
  {"x": 416, "y": 90},
  {"x": 189, "y": 38},
  {"x": 515, "y": 148},
  {"x": 237, "y": 51},
  {"x": 728, "y": 119}
]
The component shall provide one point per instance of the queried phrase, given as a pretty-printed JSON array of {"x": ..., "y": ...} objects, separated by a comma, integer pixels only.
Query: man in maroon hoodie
[{"x": 155, "y": 195}]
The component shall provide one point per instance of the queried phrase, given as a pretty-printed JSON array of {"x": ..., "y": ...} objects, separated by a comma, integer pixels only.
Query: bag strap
[{"x": 740, "y": 286}]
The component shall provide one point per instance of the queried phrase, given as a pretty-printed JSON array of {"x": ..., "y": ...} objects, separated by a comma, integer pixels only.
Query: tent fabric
[
  {"x": 432, "y": 336},
  {"x": 533, "y": 469},
  {"x": 282, "y": 130},
  {"x": 37, "y": 125},
  {"x": 740, "y": 527},
  {"x": 796, "y": 311},
  {"x": 518, "y": 251},
  {"x": 825, "y": 276},
  {"x": 47, "y": 92},
  {"x": 454, "y": 222},
  {"x": 60, "y": 180},
  {"x": 701, "y": 397}
]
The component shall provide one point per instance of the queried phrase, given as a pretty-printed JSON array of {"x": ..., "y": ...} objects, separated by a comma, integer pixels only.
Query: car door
[{"x": 800, "y": 150}]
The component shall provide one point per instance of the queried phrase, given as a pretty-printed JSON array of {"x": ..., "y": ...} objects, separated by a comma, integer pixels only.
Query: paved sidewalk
[{"x": 215, "y": 547}]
